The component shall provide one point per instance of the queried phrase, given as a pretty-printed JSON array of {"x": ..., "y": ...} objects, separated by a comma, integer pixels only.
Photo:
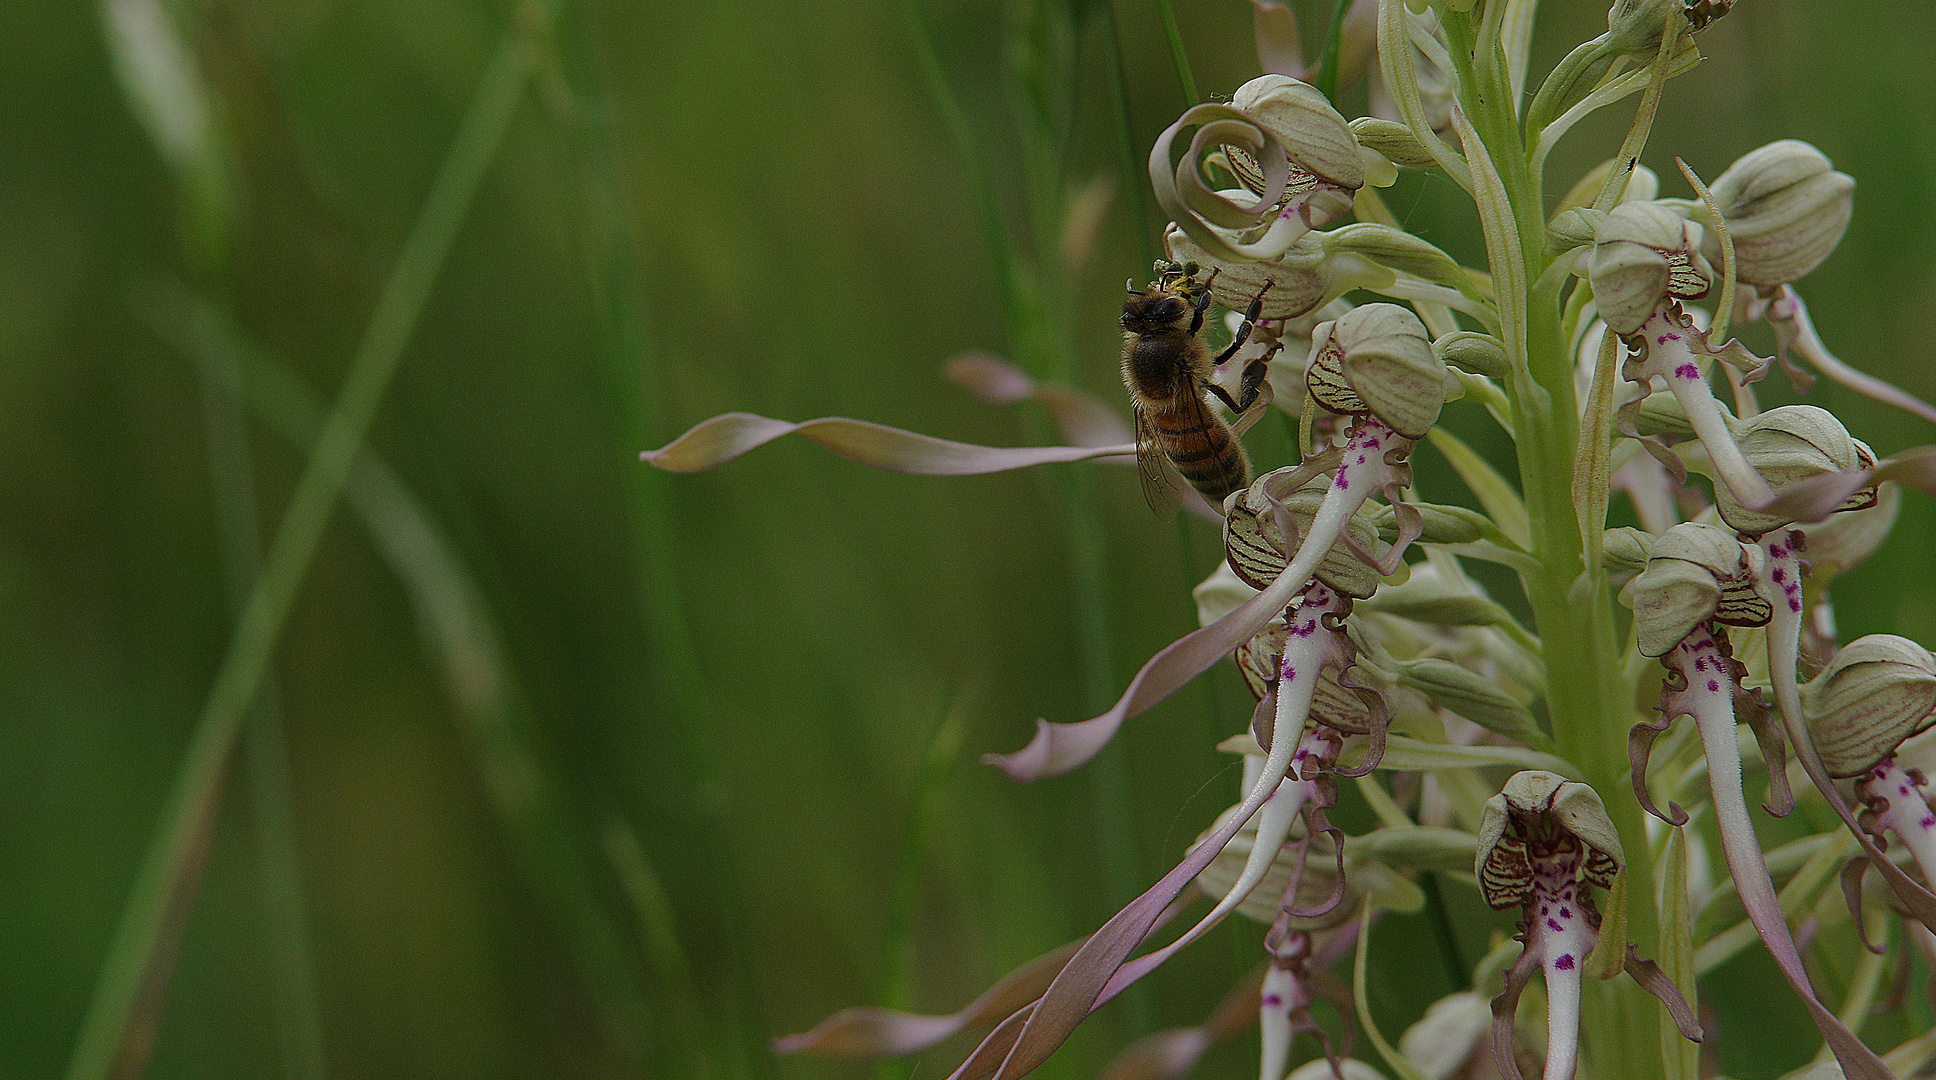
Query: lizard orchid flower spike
[{"x": 1542, "y": 841}]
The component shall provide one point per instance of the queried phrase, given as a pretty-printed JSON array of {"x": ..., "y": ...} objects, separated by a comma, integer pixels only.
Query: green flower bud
[
  {"x": 1378, "y": 359},
  {"x": 1695, "y": 573},
  {"x": 1786, "y": 208},
  {"x": 1398, "y": 250},
  {"x": 1787, "y": 445},
  {"x": 1394, "y": 140},
  {"x": 1438, "y": 523},
  {"x": 1625, "y": 550},
  {"x": 1484, "y": 701},
  {"x": 1645, "y": 255},
  {"x": 1481, "y": 354},
  {"x": 1661, "y": 413},
  {"x": 1878, "y": 691},
  {"x": 1635, "y": 25},
  {"x": 1420, "y": 847},
  {"x": 1254, "y": 545},
  {"x": 1575, "y": 227},
  {"x": 1537, "y": 805}
]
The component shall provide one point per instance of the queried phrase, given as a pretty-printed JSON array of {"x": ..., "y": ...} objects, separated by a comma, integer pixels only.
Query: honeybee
[{"x": 1168, "y": 368}]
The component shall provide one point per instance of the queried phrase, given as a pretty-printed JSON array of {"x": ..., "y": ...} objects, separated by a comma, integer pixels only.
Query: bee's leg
[
  {"x": 1255, "y": 373},
  {"x": 1255, "y": 309},
  {"x": 1202, "y": 304}
]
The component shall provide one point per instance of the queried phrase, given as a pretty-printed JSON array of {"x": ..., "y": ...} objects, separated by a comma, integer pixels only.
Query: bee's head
[{"x": 1158, "y": 309}]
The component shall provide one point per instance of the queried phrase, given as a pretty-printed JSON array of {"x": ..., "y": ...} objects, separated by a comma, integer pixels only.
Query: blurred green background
[{"x": 572, "y": 769}]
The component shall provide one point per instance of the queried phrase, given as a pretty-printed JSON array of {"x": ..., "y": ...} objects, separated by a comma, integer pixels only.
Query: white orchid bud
[{"x": 1786, "y": 209}]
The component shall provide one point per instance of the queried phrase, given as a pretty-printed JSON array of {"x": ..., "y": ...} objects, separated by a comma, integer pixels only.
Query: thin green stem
[
  {"x": 165, "y": 882},
  {"x": 1326, "y": 79},
  {"x": 1177, "y": 56},
  {"x": 1134, "y": 162},
  {"x": 732, "y": 1044},
  {"x": 265, "y": 751}
]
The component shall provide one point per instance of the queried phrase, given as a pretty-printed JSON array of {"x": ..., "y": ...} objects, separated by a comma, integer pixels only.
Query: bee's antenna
[{"x": 1130, "y": 284}]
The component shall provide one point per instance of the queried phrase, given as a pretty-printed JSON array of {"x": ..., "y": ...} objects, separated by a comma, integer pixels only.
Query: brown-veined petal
[{"x": 714, "y": 442}]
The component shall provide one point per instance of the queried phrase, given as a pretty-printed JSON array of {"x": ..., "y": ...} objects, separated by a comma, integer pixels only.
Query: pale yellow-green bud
[
  {"x": 1378, "y": 359},
  {"x": 1635, "y": 25},
  {"x": 1254, "y": 544},
  {"x": 1787, "y": 445},
  {"x": 1439, "y": 523},
  {"x": 1878, "y": 691},
  {"x": 1786, "y": 208},
  {"x": 1538, "y": 801},
  {"x": 1625, "y": 550},
  {"x": 1481, "y": 700},
  {"x": 1398, "y": 250},
  {"x": 1575, "y": 227},
  {"x": 1695, "y": 573},
  {"x": 1643, "y": 255},
  {"x": 1394, "y": 140}
]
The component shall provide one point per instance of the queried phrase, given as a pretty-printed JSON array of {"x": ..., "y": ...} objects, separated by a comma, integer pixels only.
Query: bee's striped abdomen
[{"x": 1202, "y": 448}]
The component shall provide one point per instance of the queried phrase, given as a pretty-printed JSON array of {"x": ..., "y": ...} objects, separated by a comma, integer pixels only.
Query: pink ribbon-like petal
[
  {"x": 868, "y": 1032},
  {"x": 712, "y": 443}
]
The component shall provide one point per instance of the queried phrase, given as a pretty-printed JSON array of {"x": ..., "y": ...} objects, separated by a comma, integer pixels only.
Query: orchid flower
[{"x": 1544, "y": 839}]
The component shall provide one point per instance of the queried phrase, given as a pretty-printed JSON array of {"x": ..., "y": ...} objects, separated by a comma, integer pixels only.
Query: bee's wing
[{"x": 1163, "y": 486}]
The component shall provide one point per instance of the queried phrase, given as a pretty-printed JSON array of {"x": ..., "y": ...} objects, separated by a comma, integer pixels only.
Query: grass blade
[{"x": 165, "y": 882}]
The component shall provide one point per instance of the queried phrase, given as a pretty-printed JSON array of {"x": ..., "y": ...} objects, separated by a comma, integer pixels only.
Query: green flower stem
[
  {"x": 1588, "y": 696},
  {"x": 164, "y": 884}
]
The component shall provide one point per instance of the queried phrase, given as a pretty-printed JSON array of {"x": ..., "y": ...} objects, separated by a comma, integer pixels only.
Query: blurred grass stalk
[
  {"x": 460, "y": 634},
  {"x": 140, "y": 957},
  {"x": 633, "y": 368},
  {"x": 284, "y": 910}
]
